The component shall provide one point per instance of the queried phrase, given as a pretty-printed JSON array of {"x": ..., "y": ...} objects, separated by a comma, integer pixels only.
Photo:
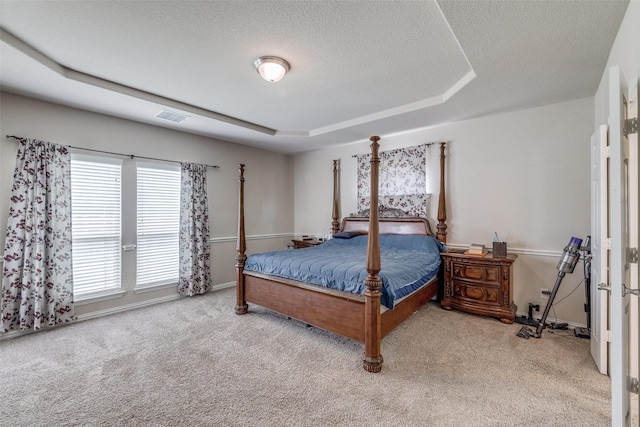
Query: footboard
[{"x": 329, "y": 309}]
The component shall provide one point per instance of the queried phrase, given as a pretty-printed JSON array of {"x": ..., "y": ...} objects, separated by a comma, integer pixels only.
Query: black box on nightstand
[{"x": 500, "y": 249}]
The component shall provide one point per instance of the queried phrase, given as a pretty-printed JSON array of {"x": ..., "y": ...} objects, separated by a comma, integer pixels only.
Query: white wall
[
  {"x": 268, "y": 186},
  {"x": 625, "y": 53},
  {"x": 523, "y": 174}
]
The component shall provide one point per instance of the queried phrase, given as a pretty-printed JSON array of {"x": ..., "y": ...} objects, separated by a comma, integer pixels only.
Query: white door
[
  {"x": 620, "y": 271},
  {"x": 634, "y": 237},
  {"x": 599, "y": 248}
]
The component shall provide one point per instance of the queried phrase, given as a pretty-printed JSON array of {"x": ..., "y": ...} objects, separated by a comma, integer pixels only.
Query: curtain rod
[
  {"x": 116, "y": 154},
  {"x": 426, "y": 143}
]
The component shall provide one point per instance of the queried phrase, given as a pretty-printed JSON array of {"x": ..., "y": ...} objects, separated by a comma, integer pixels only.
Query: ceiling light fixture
[{"x": 271, "y": 68}]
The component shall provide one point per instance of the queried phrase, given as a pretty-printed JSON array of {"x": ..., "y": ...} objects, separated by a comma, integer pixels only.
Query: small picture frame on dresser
[{"x": 499, "y": 249}]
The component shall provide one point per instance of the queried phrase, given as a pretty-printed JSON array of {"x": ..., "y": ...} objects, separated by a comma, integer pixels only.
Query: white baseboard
[
  {"x": 223, "y": 286},
  {"x": 15, "y": 334},
  {"x": 572, "y": 325},
  {"x": 126, "y": 307},
  {"x": 114, "y": 310},
  {"x": 146, "y": 303}
]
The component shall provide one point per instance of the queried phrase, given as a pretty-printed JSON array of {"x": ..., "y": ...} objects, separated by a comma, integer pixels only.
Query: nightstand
[
  {"x": 298, "y": 244},
  {"x": 479, "y": 284}
]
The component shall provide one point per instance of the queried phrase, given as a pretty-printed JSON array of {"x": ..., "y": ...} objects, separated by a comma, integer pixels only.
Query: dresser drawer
[
  {"x": 478, "y": 285},
  {"x": 489, "y": 274},
  {"x": 475, "y": 293}
]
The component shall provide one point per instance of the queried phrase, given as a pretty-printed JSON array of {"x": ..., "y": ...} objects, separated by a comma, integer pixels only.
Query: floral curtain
[
  {"x": 37, "y": 281},
  {"x": 195, "y": 275},
  {"x": 402, "y": 182}
]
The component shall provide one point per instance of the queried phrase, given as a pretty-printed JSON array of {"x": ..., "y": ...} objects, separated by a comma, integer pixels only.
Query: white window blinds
[
  {"x": 158, "y": 224},
  {"x": 96, "y": 223}
]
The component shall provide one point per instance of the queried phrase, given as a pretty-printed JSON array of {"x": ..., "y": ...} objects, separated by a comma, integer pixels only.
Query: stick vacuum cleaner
[
  {"x": 566, "y": 265},
  {"x": 581, "y": 332}
]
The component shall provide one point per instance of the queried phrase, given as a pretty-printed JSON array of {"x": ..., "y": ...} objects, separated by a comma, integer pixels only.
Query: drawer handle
[{"x": 457, "y": 271}]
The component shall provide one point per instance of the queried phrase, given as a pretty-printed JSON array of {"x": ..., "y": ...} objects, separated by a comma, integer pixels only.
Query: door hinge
[
  {"x": 606, "y": 243},
  {"x": 633, "y": 385},
  {"x": 626, "y": 291},
  {"x": 604, "y": 287},
  {"x": 632, "y": 255},
  {"x": 605, "y": 152},
  {"x": 606, "y": 335},
  {"x": 630, "y": 126}
]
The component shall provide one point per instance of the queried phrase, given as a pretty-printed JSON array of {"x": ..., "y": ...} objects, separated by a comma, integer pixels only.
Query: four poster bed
[{"x": 375, "y": 305}]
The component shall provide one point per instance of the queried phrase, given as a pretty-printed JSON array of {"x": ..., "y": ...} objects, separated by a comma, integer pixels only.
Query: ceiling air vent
[{"x": 174, "y": 117}]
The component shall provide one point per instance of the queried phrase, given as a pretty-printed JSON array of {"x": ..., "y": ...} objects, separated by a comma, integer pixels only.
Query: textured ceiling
[{"x": 357, "y": 68}]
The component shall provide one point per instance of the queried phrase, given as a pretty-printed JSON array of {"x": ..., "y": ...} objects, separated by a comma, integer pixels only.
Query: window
[
  {"x": 158, "y": 211},
  {"x": 97, "y": 216},
  {"x": 96, "y": 222}
]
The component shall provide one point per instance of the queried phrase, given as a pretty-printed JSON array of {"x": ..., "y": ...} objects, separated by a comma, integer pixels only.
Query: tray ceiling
[{"x": 357, "y": 68}]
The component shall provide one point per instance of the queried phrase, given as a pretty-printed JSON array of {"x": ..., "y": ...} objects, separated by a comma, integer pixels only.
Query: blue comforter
[{"x": 408, "y": 261}]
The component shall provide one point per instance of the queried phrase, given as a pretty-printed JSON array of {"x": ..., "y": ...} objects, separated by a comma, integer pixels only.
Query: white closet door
[
  {"x": 620, "y": 271},
  {"x": 599, "y": 249},
  {"x": 634, "y": 237}
]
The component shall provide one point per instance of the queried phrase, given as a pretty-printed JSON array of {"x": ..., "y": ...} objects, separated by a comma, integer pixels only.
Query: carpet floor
[{"x": 193, "y": 362}]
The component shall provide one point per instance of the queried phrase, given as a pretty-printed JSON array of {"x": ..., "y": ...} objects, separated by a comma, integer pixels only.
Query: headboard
[{"x": 391, "y": 221}]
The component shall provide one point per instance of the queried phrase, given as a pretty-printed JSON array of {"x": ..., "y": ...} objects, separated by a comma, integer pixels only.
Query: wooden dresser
[{"x": 479, "y": 284}]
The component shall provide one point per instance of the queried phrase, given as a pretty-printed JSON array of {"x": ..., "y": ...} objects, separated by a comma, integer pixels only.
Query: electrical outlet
[{"x": 544, "y": 293}]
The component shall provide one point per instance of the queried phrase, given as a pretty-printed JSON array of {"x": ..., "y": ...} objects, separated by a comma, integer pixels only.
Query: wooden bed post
[
  {"x": 241, "y": 304},
  {"x": 442, "y": 204},
  {"x": 372, "y": 359},
  {"x": 335, "y": 224}
]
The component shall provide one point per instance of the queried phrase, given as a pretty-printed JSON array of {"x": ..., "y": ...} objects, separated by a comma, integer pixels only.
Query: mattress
[{"x": 407, "y": 262}]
